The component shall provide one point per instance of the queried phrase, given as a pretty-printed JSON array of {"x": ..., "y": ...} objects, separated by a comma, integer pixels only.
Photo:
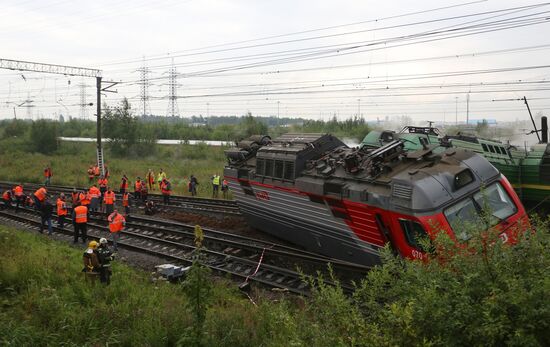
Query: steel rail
[
  {"x": 181, "y": 203},
  {"x": 270, "y": 275}
]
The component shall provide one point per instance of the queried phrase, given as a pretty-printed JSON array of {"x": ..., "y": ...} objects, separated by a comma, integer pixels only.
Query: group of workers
[
  {"x": 82, "y": 204},
  {"x": 98, "y": 256},
  {"x": 99, "y": 197}
]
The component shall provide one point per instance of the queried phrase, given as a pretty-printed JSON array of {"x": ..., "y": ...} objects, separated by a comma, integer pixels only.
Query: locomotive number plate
[{"x": 261, "y": 195}]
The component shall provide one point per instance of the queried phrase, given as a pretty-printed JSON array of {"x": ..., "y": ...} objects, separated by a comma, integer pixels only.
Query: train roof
[{"x": 389, "y": 176}]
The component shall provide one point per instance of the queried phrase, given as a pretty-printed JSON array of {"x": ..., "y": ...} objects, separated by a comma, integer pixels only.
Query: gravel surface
[{"x": 229, "y": 224}]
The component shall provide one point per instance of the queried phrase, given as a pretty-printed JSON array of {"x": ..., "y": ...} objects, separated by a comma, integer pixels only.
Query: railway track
[
  {"x": 243, "y": 258},
  {"x": 177, "y": 202}
]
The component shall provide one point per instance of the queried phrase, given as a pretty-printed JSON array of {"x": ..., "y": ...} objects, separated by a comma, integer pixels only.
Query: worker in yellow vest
[{"x": 215, "y": 185}]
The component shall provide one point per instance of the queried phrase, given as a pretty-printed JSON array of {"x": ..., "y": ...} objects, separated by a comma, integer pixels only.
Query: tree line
[{"x": 131, "y": 134}]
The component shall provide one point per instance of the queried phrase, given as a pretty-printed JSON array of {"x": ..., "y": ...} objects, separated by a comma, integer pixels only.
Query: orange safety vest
[
  {"x": 96, "y": 170},
  {"x": 18, "y": 190},
  {"x": 94, "y": 192},
  {"x": 116, "y": 222},
  {"x": 151, "y": 177},
  {"x": 124, "y": 184},
  {"x": 40, "y": 194},
  {"x": 48, "y": 172},
  {"x": 125, "y": 200},
  {"x": 61, "y": 208},
  {"x": 6, "y": 196},
  {"x": 90, "y": 172},
  {"x": 102, "y": 182},
  {"x": 109, "y": 197},
  {"x": 85, "y": 198},
  {"x": 137, "y": 186},
  {"x": 81, "y": 214}
]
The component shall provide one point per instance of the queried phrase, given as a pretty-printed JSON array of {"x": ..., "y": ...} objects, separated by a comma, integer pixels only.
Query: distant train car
[{"x": 347, "y": 203}]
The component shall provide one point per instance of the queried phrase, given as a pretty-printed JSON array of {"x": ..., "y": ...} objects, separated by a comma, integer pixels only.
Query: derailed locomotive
[{"x": 347, "y": 203}]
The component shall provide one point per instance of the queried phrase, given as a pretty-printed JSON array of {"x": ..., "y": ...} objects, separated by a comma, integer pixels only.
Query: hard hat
[
  {"x": 92, "y": 244},
  {"x": 103, "y": 241}
]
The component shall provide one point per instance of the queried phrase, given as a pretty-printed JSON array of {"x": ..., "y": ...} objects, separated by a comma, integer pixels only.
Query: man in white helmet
[{"x": 105, "y": 256}]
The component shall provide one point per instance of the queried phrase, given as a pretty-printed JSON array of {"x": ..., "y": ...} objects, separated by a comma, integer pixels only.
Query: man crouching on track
[{"x": 105, "y": 256}]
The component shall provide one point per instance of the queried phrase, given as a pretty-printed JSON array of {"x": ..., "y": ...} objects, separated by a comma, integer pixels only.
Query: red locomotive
[{"x": 347, "y": 203}]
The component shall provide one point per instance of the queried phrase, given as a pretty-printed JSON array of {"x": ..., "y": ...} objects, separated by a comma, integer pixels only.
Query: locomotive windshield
[{"x": 493, "y": 201}]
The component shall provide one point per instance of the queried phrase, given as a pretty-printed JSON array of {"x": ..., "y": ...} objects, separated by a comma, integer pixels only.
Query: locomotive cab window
[
  {"x": 414, "y": 232},
  {"x": 463, "y": 178},
  {"x": 484, "y": 146},
  {"x": 487, "y": 207}
]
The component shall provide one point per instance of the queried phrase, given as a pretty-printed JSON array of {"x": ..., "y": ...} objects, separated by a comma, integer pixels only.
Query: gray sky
[{"x": 312, "y": 59}]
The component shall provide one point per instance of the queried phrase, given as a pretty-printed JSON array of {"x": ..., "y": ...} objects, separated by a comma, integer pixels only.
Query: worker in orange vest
[
  {"x": 6, "y": 199},
  {"x": 102, "y": 183},
  {"x": 109, "y": 200},
  {"x": 144, "y": 191},
  {"x": 126, "y": 203},
  {"x": 96, "y": 170},
  {"x": 80, "y": 221},
  {"x": 151, "y": 179},
  {"x": 225, "y": 188},
  {"x": 166, "y": 189},
  {"x": 117, "y": 222},
  {"x": 74, "y": 197},
  {"x": 61, "y": 211},
  {"x": 39, "y": 196},
  {"x": 84, "y": 198},
  {"x": 90, "y": 174},
  {"x": 19, "y": 195},
  {"x": 95, "y": 196},
  {"x": 137, "y": 189},
  {"x": 47, "y": 175},
  {"x": 123, "y": 184}
]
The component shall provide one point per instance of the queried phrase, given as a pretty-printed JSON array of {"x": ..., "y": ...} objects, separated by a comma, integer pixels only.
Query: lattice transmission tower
[
  {"x": 144, "y": 83},
  {"x": 173, "y": 109}
]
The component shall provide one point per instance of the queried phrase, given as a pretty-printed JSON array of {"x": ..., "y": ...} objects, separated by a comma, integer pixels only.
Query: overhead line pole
[{"x": 20, "y": 65}]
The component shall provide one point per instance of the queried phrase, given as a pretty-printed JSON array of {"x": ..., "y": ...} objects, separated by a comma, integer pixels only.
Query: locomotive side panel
[{"x": 295, "y": 217}]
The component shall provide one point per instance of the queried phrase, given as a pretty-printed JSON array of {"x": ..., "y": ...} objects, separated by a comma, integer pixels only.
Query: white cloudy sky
[{"x": 377, "y": 58}]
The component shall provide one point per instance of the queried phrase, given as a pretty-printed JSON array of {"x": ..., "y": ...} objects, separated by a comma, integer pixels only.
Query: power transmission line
[{"x": 173, "y": 92}]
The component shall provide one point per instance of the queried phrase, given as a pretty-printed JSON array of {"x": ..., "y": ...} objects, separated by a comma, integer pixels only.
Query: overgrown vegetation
[{"x": 484, "y": 293}]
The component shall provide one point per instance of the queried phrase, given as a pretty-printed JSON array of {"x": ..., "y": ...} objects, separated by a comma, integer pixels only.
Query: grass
[
  {"x": 492, "y": 297},
  {"x": 46, "y": 301},
  {"x": 71, "y": 161}
]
